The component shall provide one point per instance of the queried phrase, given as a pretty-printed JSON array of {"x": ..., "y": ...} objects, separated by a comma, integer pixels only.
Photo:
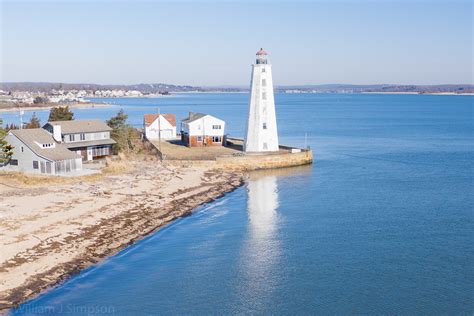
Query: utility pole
[
  {"x": 159, "y": 132},
  {"x": 21, "y": 118}
]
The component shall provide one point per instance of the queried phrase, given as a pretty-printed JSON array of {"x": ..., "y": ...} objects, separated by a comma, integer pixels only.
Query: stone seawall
[
  {"x": 270, "y": 161},
  {"x": 232, "y": 158},
  {"x": 251, "y": 162}
]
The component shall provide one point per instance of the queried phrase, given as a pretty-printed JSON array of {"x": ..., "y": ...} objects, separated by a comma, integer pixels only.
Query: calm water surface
[{"x": 381, "y": 223}]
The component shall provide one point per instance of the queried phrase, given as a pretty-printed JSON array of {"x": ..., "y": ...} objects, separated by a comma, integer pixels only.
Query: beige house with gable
[{"x": 36, "y": 151}]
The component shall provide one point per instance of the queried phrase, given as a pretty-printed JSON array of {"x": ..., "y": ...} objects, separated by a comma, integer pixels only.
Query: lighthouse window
[
  {"x": 264, "y": 95},
  {"x": 265, "y": 146},
  {"x": 264, "y": 125},
  {"x": 263, "y": 69},
  {"x": 264, "y": 83}
]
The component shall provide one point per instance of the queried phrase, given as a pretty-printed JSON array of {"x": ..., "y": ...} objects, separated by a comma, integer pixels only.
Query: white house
[
  {"x": 36, "y": 151},
  {"x": 200, "y": 130},
  {"x": 158, "y": 126}
]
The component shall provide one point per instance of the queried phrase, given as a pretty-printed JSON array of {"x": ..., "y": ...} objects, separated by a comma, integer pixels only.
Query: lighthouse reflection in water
[{"x": 261, "y": 248}]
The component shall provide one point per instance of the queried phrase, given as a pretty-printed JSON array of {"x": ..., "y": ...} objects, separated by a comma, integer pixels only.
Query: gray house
[
  {"x": 35, "y": 151},
  {"x": 88, "y": 138}
]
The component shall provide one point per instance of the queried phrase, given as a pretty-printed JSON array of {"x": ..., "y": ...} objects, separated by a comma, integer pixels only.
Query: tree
[
  {"x": 10, "y": 127},
  {"x": 34, "y": 122},
  {"x": 118, "y": 121},
  {"x": 40, "y": 100},
  {"x": 124, "y": 134},
  {"x": 6, "y": 150},
  {"x": 60, "y": 114}
]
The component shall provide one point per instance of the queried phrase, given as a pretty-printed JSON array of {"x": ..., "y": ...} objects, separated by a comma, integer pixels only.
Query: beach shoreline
[
  {"x": 52, "y": 232},
  {"x": 5, "y": 108}
]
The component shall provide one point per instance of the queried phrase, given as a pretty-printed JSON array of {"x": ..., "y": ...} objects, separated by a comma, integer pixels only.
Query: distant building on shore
[
  {"x": 199, "y": 130},
  {"x": 159, "y": 126},
  {"x": 261, "y": 132}
]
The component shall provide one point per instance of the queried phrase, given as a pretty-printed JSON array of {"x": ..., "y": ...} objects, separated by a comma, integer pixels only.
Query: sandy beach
[
  {"x": 51, "y": 228},
  {"x": 7, "y": 107}
]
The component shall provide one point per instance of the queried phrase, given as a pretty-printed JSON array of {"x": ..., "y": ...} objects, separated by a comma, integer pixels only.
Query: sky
[{"x": 213, "y": 43}]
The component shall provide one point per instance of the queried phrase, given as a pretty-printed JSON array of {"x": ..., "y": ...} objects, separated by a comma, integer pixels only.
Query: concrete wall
[
  {"x": 251, "y": 162},
  {"x": 270, "y": 161}
]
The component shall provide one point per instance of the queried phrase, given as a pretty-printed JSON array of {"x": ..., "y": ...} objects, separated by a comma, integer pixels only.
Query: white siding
[
  {"x": 168, "y": 131},
  {"x": 87, "y": 137},
  {"x": 204, "y": 126}
]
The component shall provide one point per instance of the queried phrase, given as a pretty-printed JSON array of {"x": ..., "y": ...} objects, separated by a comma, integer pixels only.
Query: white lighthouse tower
[{"x": 262, "y": 132}]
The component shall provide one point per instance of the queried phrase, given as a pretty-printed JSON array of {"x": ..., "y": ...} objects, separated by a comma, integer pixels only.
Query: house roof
[
  {"x": 90, "y": 143},
  {"x": 150, "y": 118},
  {"x": 30, "y": 137},
  {"x": 193, "y": 117},
  {"x": 81, "y": 126}
]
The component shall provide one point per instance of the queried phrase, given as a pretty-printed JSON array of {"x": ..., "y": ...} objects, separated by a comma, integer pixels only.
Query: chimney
[
  {"x": 191, "y": 114},
  {"x": 57, "y": 133}
]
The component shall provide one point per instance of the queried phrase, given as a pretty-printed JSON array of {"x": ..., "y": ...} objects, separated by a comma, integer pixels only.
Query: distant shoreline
[
  {"x": 15, "y": 108},
  {"x": 418, "y": 93},
  {"x": 310, "y": 92}
]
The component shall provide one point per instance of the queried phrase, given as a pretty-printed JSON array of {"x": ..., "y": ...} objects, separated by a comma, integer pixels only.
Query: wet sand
[{"x": 52, "y": 229}]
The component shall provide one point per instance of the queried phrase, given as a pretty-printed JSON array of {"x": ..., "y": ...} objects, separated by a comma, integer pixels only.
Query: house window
[
  {"x": 71, "y": 137},
  {"x": 264, "y": 95},
  {"x": 264, "y": 82},
  {"x": 265, "y": 146},
  {"x": 216, "y": 139},
  {"x": 216, "y": 127},
  {"x": 14, "y": 162},
  {"x": 35, "y": 164},
  {"x": 22, "y": 149},
  {"x": 264, "y": 125},
  {"x": 42, "y": 166},
  {"x": 48, "y": 167},
  {"x": 199, "y": 138},
  {"x": 83, "y": 136}
]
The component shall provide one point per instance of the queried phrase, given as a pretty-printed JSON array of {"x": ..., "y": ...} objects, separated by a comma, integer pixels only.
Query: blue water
[{"x": 382, "y": 223}]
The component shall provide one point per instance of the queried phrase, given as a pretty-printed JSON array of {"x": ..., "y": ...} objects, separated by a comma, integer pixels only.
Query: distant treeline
[
  {"x": 162, "y": 87},
  {"x": 338, "y": 88},
  {"x": 48, "y": 86}
]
